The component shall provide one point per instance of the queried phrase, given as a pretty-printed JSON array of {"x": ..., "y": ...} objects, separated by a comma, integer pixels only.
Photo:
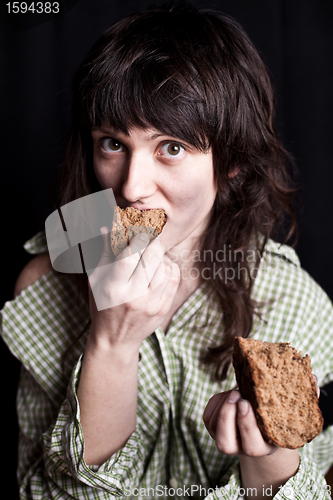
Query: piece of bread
[
  {"x": 278, "y": 383},
  {"x": 130, "y": 221}
]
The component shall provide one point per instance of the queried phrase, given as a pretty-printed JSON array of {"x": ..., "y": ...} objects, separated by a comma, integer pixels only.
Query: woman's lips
[{"x": 142, "y": 208}]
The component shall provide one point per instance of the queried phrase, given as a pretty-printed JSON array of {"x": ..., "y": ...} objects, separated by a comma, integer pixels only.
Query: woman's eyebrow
[{"x": 155, "y": 136}]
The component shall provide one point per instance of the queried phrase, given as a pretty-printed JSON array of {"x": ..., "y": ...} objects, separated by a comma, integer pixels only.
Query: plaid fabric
[{"x": 170, "y": 454}]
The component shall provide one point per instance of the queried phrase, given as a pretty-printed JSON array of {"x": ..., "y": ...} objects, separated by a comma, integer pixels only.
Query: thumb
[
  {"x": 96, "y": 273},
  {"x": 106, "y": 256}
]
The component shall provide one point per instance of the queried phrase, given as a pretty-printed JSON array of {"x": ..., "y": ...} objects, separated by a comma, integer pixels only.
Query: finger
[
  {"x": 216, "y": 401},
  {"x": 211, "y": 413},
  {"x": 315, "y": 379},
  {"x": 128, "y": 259},
  {"x": 211, "y": 406},
  {"x": 97, "y": 274},
  {"x": 226, "y": 428},
  {"x": 154, "y": 262},
  {"x": 148, "y": 265},
  {"x": 137, "y": 245},
  {"x": 139, "y": 283},
  {"x": 106, "y": 252},
  {"x": 252, "y": 441},
  {"x": 145, "y": 266}
]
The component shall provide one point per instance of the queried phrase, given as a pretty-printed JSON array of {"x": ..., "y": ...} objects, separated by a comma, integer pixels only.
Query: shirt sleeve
[
  {"x": 307, "y": 484},
  {"x": 51, "y": 463}
]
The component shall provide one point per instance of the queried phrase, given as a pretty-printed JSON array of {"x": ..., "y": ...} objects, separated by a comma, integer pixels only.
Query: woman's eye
[
  {"x": 111, "y": 145},
  {"x": 173, "y": 149}
]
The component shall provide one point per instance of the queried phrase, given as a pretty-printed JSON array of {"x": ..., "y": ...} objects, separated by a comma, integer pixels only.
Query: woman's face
[{"x": 148, "y": 169}]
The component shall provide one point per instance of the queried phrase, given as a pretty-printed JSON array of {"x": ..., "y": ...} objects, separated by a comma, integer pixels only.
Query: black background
[{"x": 37, "y": 58}]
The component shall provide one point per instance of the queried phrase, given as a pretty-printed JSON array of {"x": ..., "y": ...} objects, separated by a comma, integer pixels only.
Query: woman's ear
[{"x": 233, "y": 172}]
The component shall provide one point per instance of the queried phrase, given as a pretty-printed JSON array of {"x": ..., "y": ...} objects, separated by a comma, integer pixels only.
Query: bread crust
[
  {"x": 278, "y": 383},
  {"x": 130, "y": 221}
]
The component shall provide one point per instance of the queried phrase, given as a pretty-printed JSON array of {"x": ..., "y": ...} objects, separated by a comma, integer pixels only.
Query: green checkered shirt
[{"x": 170, "y": 453}]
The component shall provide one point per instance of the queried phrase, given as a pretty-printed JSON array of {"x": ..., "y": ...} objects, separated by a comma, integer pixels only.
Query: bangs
[
  {"x": 146, "y": 98},
  {"x": 137, "y": 76}
]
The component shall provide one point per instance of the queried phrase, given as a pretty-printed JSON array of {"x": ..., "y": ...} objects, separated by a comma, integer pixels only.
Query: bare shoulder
[{"x": 35, "y": 269}]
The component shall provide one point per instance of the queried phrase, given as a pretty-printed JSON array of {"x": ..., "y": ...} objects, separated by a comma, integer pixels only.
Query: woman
[{"x": 172, "y": 108}]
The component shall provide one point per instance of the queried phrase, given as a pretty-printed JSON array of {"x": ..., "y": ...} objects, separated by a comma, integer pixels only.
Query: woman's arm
[
  {"x": 50, "y": 449},
  {"x": 109, "y": 378},
  {"x": 108, "y": 397}
]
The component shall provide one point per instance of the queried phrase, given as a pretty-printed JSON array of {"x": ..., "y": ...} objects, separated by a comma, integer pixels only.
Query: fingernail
[
  {"x": 143, "y": 236},
  {"x": 234, "y": 397},
  {"x": 243, "y": 407}
]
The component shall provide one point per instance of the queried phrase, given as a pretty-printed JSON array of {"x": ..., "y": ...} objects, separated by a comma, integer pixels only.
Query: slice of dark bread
[
  {"x": 130, "y": 221},
  {"x": 278, "y": 383}
]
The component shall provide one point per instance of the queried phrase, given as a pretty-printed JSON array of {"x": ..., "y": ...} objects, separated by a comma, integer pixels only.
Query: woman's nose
[{"x": 139, "y": 180}]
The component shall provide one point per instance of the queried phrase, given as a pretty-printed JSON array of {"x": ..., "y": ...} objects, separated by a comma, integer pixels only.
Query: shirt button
[{"x": 173, "y": 483}]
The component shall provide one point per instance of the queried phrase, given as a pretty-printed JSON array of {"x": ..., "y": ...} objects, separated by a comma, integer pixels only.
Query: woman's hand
[
  {"x": 133, "y": 294},
  {"x": 230, "y": 420}
]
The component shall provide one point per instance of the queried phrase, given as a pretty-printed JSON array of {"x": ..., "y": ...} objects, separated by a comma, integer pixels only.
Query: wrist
[
  {"x": 101, "y": 346},
  {"x": 270, "y": 471}
]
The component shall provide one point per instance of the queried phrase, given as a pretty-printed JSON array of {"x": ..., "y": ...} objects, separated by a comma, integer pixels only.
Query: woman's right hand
[{"x": 133, "y": 294}]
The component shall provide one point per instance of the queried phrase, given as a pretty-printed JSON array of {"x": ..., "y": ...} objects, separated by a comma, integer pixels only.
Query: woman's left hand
[
  {"x": 224, "y": 414},
  {"x": 264, "y": 468}
]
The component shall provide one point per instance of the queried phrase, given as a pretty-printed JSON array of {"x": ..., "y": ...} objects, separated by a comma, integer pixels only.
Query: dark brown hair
[{"x": 199, "y": 69}]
